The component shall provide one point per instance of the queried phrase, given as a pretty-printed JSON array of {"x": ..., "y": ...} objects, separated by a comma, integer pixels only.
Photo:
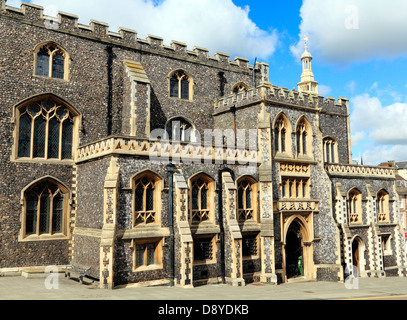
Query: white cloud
[
  {"x": 218, "y": 25},
  {"x": 379, "y": 132},
  {"x": 343, "y": 31},
  {"x": 386, "y": 125},
  {"x": 324, "y": 90},
  {"x": 357, "y": 137},
  {"x": 375, "y": 155}
]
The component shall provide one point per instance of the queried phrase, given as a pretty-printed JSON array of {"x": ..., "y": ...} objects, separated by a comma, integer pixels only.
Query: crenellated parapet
[
  {"x": 342, "y": 170},
  {"x": 269, "y": 93},
  {"x": 96, "y": 30}
]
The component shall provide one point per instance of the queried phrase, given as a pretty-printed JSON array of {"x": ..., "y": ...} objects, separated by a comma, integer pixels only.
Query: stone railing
[
  {"x": 165, "y": 151},
  {"x": 360, "y": 171}
]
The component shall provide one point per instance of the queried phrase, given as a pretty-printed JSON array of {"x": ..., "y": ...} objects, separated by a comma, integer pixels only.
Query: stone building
[{"x": 118, "y": 154}]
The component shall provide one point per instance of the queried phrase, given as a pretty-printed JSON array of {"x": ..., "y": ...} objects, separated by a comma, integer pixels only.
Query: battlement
[
  {"x": 271, "y": 93},
  {"x": 96, "y": 30}
]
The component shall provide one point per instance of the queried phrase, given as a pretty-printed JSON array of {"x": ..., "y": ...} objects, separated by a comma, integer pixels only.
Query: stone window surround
[
  {"x": 303, "y": 131},
  {"x": 158, "y": 242},
  {"x": 253, "y": 189},
  {"x": 354, "y": 203},
  {"x": 210, "y": 197},
  {"x": 58, "y": 48},
  {"x": 383, "y": 207},
  {"x": 281, "y": 122},
  {"x": 67, "y": 195},
  {"x": 15, "y": 119},
  {"x": 158, "y": 188},
  {"x": 214, "y": 248},
  {"x": 332, "y": 145},
  {"x": 191, "y": 85}
]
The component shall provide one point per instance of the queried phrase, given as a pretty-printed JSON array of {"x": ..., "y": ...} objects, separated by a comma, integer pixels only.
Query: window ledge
[
  {"x": 144, "y": 232},
  {"x": 179, "y": 99},
  {"x": 45, "y": 161},
  {"x": 43, "y": 237},
  {"x": 49, "y": 78},
  {"x": 204, "y": 262},
  {"x": 205, "y": 228},
  {"x": 153, "y": 267}
]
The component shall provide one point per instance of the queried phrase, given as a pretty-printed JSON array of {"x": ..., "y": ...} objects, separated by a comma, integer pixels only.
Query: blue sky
[{"x": 359, "y": 49}]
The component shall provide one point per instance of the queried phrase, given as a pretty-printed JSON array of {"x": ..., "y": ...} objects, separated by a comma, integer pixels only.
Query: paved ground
[{"x": 20, "y": 288}]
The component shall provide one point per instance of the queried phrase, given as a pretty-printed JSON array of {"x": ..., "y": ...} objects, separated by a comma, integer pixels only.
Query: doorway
[
  {"x": 356, "y": 253},
  {"x": 294, "y": 252}
]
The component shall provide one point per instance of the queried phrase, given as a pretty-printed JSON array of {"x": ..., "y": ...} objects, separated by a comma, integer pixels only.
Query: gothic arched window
[
  {"x": 355, "y": 206},
  {"x": 247, "y": 199},
  {"x": 282, "y": 135},
  {"x": 303, "y": 138},
  {"x": 46, "y": 129},
  {"x": 330, "y": 150},
  {"x": 382, "y": 206},
  {"x": 181, "y": 85},
  {"x": 202, "y": 199},
  {"x": 147, "y": 199},
  {"x": 51, "y": 61},
  {"x": 45, "y": 209},
  {"x": 179, "y": 129}
]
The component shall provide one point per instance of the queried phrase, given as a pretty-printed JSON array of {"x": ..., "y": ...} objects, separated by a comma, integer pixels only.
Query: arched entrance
[
  {"x": 358, "y": 260},
  {"x": 294, "y": 251},
  {"x": 298, "y": 248}
]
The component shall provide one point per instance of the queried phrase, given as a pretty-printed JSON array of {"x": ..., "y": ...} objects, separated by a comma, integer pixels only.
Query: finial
[{"x": 306, "y": 42}]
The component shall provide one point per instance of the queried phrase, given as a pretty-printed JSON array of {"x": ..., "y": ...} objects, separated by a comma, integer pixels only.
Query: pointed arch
[
  {"x": 247, "y": 199},
  {"x": 147, "y": 187},
  {"x": 46, "y": 129},
  {"x": 239, "y": 87},
  {"x": 330, "y": 150},
  {"x": 383, "y": 206},
  {"x": 303, "y": 137},
  {"x": 201, "y": 198},
  {"x": 354, "y": 204},
  {"x": 181, "y": 85},
  {"x": 45, "y": 209},
  {"x": 51, "y": 60},
  {"x": 181, "y": 129},
  {"x": 282, "y": 135}
]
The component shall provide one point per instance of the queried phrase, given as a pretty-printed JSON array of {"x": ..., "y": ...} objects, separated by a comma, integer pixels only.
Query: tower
[{"x": 307, "y": 84}]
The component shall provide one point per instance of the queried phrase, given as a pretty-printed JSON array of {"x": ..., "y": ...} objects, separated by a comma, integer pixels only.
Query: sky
[{"x": 359, "y": 49}]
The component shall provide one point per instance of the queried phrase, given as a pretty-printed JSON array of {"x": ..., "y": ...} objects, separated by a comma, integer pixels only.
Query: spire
[{"x": 307, "y": 84}]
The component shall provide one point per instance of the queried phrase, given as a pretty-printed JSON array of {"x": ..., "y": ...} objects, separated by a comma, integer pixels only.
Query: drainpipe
[
  {"x": 233, "y": 110},
  {"x": 109, "y": 50},
  {"x": 170, "y": 169}
]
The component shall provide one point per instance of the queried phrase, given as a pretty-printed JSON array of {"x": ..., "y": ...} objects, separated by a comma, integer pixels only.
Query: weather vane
[{"x": 306, "y": 41}]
